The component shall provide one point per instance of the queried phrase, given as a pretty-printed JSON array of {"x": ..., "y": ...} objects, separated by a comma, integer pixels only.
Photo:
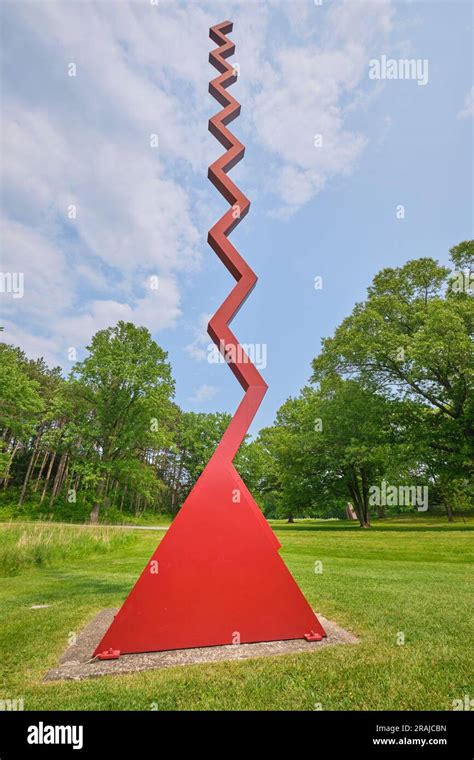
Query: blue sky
[{"x": 82, "y": 145}]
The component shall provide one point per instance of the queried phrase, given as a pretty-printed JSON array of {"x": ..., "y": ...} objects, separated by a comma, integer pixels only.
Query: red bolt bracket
[
  {"x": 109, "y": 654},
  {"x": 313, "y": 636}
]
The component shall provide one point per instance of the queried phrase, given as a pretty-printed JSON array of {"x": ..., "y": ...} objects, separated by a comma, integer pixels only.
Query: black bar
[{"x": 138, "y": 734}]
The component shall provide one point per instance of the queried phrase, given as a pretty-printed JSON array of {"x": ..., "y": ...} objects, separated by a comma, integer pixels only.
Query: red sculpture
[{"x": 216, "y": 577}]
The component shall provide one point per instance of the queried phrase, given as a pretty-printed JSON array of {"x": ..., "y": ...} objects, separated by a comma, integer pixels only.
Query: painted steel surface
[{"x": 217, "y": 577}]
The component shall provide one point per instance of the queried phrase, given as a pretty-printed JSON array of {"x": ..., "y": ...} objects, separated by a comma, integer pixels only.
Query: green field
[{"x": 412, "y": 576}]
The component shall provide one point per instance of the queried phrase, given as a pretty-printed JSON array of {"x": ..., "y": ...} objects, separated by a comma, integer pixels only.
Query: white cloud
[
  {"x": 47, "y": 286},
  {"x": 197, "y": 349},
  {"x": 156, "y": 309},
  {"x": 34, "y": 346},
  {"x": 57, "y": 318},
  {"x": 203, "y": 393},
  {"x": 308, "y": 90},
  {"x": 85, "y": 140}
]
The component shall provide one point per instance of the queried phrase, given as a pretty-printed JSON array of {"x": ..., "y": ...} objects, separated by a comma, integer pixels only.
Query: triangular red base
[{"x": 216, "y": 578}]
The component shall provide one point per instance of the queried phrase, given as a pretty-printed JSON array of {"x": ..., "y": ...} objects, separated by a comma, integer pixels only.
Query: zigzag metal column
[
  {"x": 217, "y": 577},
  {"x": 246, "y": 373}
]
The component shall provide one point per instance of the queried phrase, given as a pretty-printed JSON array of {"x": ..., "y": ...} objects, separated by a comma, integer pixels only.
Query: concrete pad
[{"x": 76, "y": 663}]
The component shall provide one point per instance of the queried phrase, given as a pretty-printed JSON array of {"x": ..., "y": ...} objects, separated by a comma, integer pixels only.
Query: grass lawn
[{"x": 411, "y": 576}]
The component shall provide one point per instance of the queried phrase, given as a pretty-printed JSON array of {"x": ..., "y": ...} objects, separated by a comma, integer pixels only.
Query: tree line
[
  {"x": 109, "y": 437},
  {"x": 389, "y": 406},
  {"x": 389, "y": 410}
]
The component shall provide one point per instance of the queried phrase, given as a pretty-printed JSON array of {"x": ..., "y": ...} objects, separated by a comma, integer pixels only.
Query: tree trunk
[
  {"x": 365, "y": 498},
  {"x": 64, "y": 477},
  {"x": 356, "y": 502},
  {"x": 31, "y": 465},
  {"x": 7, "y": 470},
  {"x": 58, "y": 479},
  {"x": 94, "y": 515},
  {"x": 27, "y": 478},
  {"x": 123, "y": 497},
  {"x": 360, "y": 507},
  {"x": 48, "y": 475},
  {"x": 43, "y": 463},
  {"x": 137, "y": 508},
  {"x": 114, "y": 494},
  {"x": 76, "y": 483},
  {"x": 449, "y": 511}
]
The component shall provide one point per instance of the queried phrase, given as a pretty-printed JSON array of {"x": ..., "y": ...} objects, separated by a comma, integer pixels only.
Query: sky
[{"x": 106, "y": 202}]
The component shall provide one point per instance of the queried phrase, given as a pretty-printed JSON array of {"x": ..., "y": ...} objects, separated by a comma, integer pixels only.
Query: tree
[
  {"x": 195, "y": 438},
  {"x": 20, "y": 406},
  {"x": 258, "y": 467},
  {"x": 411, "y": 340},
  {"x": 109, "y": 436},
  {"x": 462, "y": 256},
  {"x": 333, "y": 448},
  {"x": 124, "y": 388}
]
